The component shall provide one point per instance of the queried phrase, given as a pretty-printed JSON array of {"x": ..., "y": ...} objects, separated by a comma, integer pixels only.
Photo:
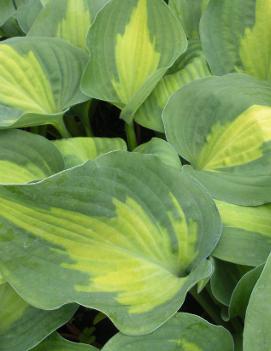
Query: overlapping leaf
[
  {"x": 258, "y": 316},
  {"x": 246, "y": 237},
  {"x": 57, "y": 343},
  {"x": 163, "y": 150},
  {"x": 7, "y": 10},
  {"x": 189, "y": 12},
  {"x": 224, "y": 280},
  {"x": 132, "y": 44},
  {"x": 190, "y": 66},
  {"x": 101, "y": 235},
  {"x": 27, "y": 13},
  {"x": 39, "y": 80},
  {"x": 21, "y": 326},
  {"x": 67, "y": 19},
  {"x": 241, "y": 293},
  {"x": 76, "y": 151},
  {"x": 222, "y": 125},
  {"x": 25, "y": 157},
  {"x": 184, "y": 332},
  {"x": 236, "y": 37}
]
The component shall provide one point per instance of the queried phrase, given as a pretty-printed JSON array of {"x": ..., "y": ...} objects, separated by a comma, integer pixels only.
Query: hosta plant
[{"x": 135, "y": 175}]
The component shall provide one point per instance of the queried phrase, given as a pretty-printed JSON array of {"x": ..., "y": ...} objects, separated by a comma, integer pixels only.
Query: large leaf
[
  {"x": 21, "y": 326},
  {"x": 67, "y": 19},
  {"x": 101, "y": 235},
  {"x": 236, "y": 36},
  {"x": 189, "y": 12},
  {"x": 246, "y": 237},
  {"x": 25, "y": 157},
  {"x": 190, "y": 66},
  {"x": 132, "y": 44},
  {"x": 57, "y": 343},
  {"x": 222, "y": 126},
  {"x": 76, "y": 151},
  {"x": 39, "y": 80},
  {"x": 184, "y": 332},
  {"x": 257, "y": 335}
]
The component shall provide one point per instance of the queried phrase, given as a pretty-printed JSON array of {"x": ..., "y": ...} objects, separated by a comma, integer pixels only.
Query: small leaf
[
  {"x": 100, "y": 235},
  {"x": 76, "y": 151},
  {"x": 25, "y": 157},
  {"x": 184, "y": 332},
  {"x": 21, "y": 326},
  {"x": 39, "y": 80},
  {"x": 257, "y": 335},
  {"x": 132, "y": 44},
  {"x": 56, "y": 343}
]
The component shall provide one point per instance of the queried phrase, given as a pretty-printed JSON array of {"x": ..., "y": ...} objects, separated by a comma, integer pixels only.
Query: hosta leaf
[
  {"x": 11, "y": 28},
  {"x": 76, "y": 151},
  {"x": 25, "y": 157},
  {"x": 224, "y": 280},
  {"x": 2, "y": 280},
  {"x": 27, "y": 13},
  {"x": 101, "y": 235},
  {"x": 191, "y": 66},
  {"x": 67, "y": 19},
  {"x": 39, "y": 80},
  {"x": 11, "y": 11},
  {"x": 163, "y": 150},
  {"x": 236, "y": 36},
  {"x": 56, "y": 343},
  {"x": 257, "y": 335},
  {"x": 132, "y": 44},
  {"x": 21, "y": 326},
  {"x": 189, "y": 12},
  {"x": 184, "y": 332},
  {"x": 6, "y": 11},
  {"x": 223, "y": 128},
  {"x": 246, "y": 237},
  {"x": 241, "y": 293}
]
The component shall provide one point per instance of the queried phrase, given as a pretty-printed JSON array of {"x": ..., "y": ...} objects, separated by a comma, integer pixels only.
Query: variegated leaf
[
  {"x": 101, "y": 235},
  {"x": 236, "y": 37},
  {"x": 184, "y": 332},
  {"x": 132, "y": 44},
  {"x": 190, "y": 66},
  {"x": 57, "y": 343},
  {"x": 222, "y": 126},
  {"x": 246, "y": 237},
  {"x": 76, "y": 151},
  {"x": 22, "y": 326},
  {"x": 39, "y": 81},
  {"x": 67, "y": 19},
  {"x": 25, "y": 157}
]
